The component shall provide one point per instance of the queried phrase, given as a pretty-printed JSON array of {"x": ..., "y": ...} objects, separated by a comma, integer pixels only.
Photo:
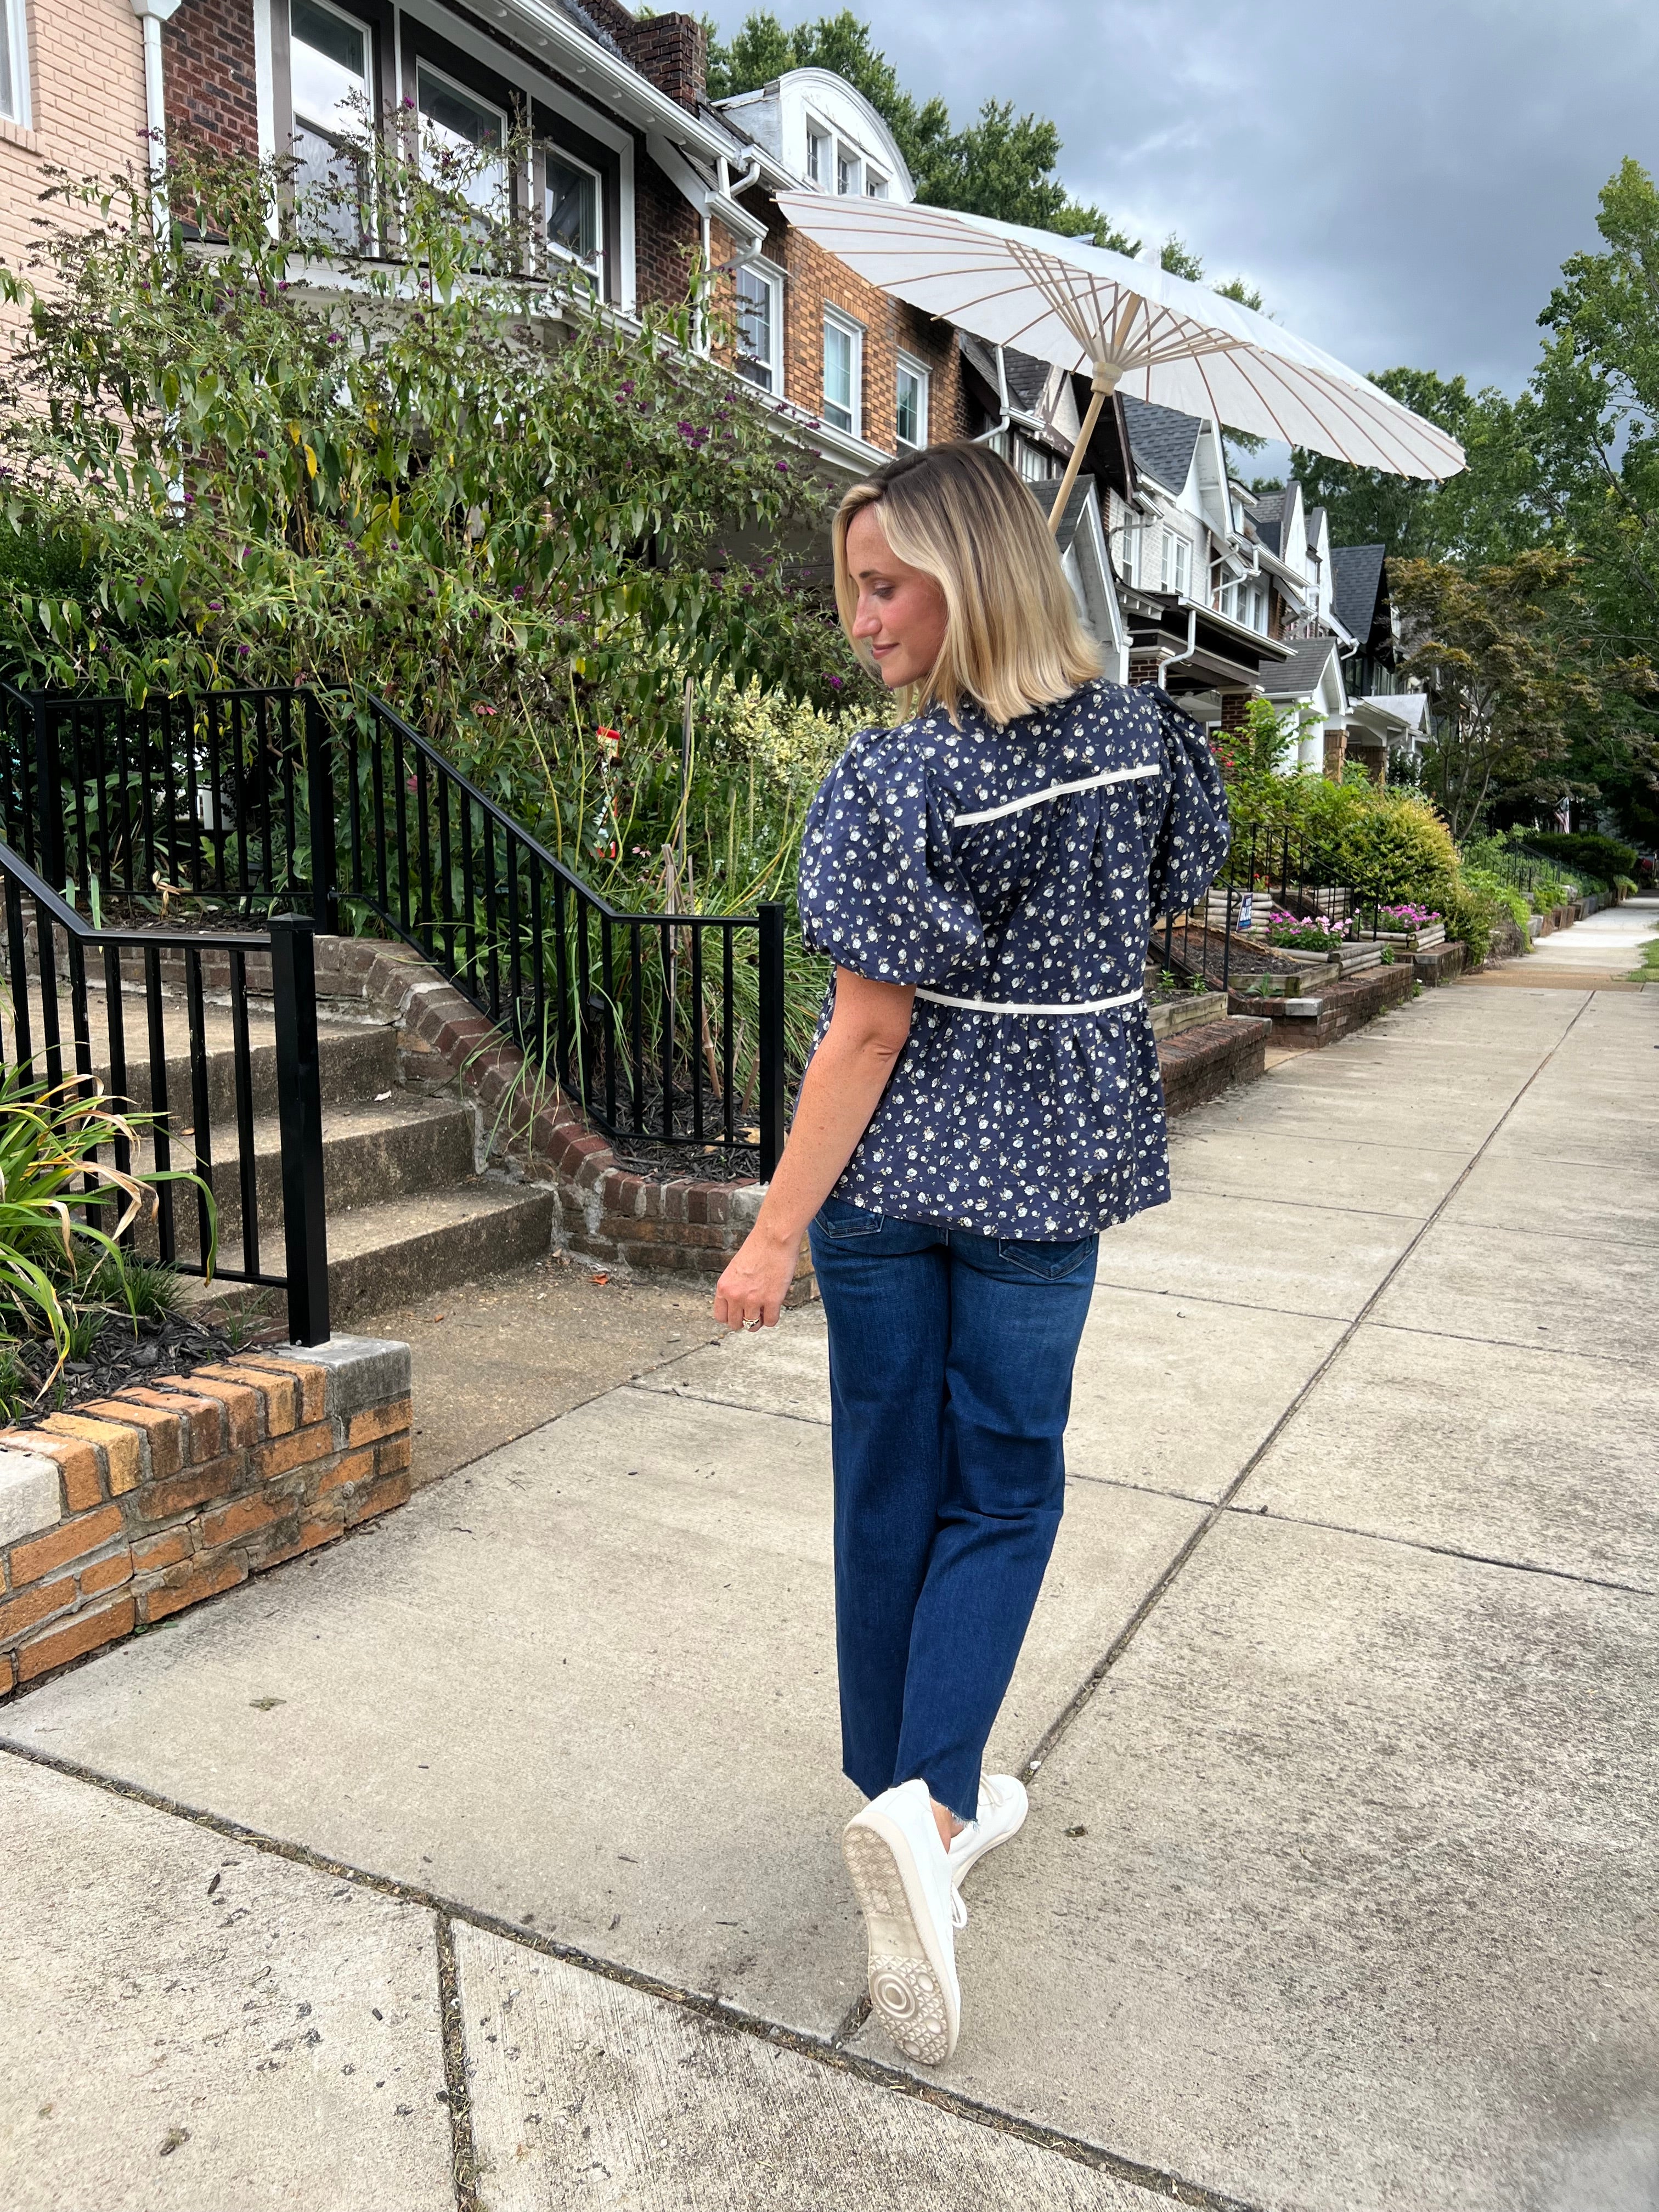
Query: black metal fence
[
  {"x": 1227, "y": 938},
  {"x": 667, "y": 1028},
  {"x": 214, "y": 1036}
]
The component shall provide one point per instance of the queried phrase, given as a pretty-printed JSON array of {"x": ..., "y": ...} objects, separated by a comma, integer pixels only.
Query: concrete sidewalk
[
  {"x": 1601, "y": 952},
  {"x": 491, "y": 1858}
]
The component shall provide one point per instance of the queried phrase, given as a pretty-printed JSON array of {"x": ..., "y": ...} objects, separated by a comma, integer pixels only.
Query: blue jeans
[{"x": 950, "y": 1361}]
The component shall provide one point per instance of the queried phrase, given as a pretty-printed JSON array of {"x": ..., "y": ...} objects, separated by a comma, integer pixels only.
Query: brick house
[
  {"x": 72, "y": 96},
  {"x": 634, "y": 173}
]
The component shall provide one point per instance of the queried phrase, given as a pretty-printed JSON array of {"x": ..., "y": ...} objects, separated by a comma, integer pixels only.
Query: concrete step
[
  {"x": 386, "y": 1253},
  {"x": 395, "y": 1147},
  {"x": 358, "y": 1059}
]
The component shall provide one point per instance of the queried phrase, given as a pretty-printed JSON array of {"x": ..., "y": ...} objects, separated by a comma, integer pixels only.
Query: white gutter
[
  {"x": 596, "y": 69},
  {"x": 152, "y": 14}
]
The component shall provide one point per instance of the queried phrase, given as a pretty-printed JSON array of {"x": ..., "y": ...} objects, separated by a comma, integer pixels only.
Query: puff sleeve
[
  {"x": 880, "y": 891},
  {"x": 1188, "y": 847}
]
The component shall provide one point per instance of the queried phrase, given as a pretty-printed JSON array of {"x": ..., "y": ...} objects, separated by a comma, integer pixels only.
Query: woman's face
[{"x": 900, "y": 613}]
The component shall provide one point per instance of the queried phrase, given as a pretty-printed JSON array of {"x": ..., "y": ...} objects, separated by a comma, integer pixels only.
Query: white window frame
[
  {"x": 876, "y": 186},
  {"x": 850, "y": 159},
  {"x": 17, "y": 39},
  {"x": 837, "y": 319},
  {"x": 595, "y": 266},
  {"x": 296, "y": 123},
  {"x": 820, "y": 154},
  {"x": 908, "y": 365},
  {"x": 424, "y": 68},
  {"x": 1177, "y": 566},
  {"x": 772, "y": 277}
]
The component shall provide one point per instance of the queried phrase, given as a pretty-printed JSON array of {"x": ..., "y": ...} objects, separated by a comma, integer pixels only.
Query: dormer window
[
  {"x": 848, "y": 169},
  {"x": 875, "y": 184},
  {"x": 819, "y": 155}
]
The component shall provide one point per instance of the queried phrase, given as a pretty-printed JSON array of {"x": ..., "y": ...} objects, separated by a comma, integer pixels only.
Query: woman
[{"x": 984, "y": 1099}]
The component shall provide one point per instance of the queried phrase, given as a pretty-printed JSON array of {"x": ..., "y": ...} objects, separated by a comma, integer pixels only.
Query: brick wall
[
  {"x": 673, "y": 53},
  {"x": 207, "y": 54},
  {"x": 1235, "y": 709},
  {"x": 666, "y": 235},
  {"x": 131, "y": 1508},
  {"x": 86, "y": 70},
  {"x": 817, "y": 280}
]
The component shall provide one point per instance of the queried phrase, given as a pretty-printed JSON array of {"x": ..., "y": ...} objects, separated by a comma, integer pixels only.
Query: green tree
[
  {"x": 1503, "y": 654},
  {"x": 1490, "y": 510}
]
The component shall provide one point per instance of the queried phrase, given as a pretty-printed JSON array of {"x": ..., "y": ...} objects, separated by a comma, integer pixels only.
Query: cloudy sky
[{"x": 1402, "y": 179}]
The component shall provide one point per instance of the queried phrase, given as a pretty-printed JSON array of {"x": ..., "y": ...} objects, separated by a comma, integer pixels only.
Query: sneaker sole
[
  {"x": 908, "y": 1989},
  {"x": 962, "y": 1867}
]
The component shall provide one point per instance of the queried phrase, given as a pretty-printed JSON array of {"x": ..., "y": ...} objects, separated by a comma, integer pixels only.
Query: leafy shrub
[
  {"x": 1582, "y": 852},
  {"x": 51, "y": 1252}
]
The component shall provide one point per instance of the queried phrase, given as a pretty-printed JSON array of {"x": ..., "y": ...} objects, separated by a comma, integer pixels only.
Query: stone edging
[{"x": 129, "y": 1508}]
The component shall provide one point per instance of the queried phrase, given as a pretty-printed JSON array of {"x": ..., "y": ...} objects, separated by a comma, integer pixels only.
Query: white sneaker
[
  {"x": 1003, "y": 1805},
  {"x": 911, "y": 1911}
]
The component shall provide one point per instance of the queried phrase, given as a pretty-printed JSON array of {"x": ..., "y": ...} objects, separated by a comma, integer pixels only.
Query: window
[
  {"x": 1032, "y": 462},
  {"x": 817, "y": 158},
  {"x": 875, "y": 184},
  {"x": 912, "y": 387},
  {"x": 574, "y": 221},
  {"x": 14, "y": 62},
  {"x": 760, "y": 299},
  {"x": 847, "y": 169},
  {"x": 458, "y": 127},
  {"x": 1177, "y": 563},
  {"x": 843, "y": 374},
  {"x": 328, "y": 71},
  {"x": 1129, "y": 557}
]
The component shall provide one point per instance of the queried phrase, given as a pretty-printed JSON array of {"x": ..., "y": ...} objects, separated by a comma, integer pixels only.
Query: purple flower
[
  {"x": 518, "y": 591},
  {"x": 783, "y": 468},
  {"x": 835, "y": 683}
]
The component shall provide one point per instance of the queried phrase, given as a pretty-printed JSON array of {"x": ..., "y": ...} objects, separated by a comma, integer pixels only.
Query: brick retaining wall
[
  {"x": 1342, "y": 1008},
  {"x": 1198, "y": 1064},
  {"x": 131, "y": 1508}
]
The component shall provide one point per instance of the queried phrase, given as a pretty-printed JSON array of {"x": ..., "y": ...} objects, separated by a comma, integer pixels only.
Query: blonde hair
[{"x": 961, "y": 515}]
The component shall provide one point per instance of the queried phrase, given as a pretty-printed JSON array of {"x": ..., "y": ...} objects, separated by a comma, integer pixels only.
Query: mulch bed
[
  {"x": 171, "y": 1346},
  {"x": 660, "y": 1163}
]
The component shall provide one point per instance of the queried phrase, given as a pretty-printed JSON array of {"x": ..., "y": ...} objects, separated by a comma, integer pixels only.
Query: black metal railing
[
  {"x": 667, "y": 1028},
  {"x": 1226, "y": 940},
  {"x": 207, "y": 797},
  {"x": 174, "y": 1025}
]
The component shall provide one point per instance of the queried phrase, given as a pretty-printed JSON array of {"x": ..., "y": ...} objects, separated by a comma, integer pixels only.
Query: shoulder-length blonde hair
[{"x": 961, "y": 515}]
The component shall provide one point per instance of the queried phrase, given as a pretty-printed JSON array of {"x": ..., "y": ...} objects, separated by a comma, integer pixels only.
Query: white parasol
[{"x": 1132, "y": 327}]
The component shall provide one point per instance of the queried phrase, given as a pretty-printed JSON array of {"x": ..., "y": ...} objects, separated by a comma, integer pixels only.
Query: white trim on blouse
[
  {"x": 1008, "y": 1006},
  {"x": 1058, "y": 791}
]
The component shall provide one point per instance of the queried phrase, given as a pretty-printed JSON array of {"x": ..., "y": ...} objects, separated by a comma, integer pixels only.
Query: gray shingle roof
[
  {"x": 1162, "y": 440},
  {"x": 1269, "y": 519},
  {"x": 1298, "y": 677},
  {"x": 1355, "y": 582}
]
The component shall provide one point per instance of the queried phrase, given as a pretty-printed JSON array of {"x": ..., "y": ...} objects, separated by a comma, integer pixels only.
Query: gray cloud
[{"x": 1403, "y": 181}]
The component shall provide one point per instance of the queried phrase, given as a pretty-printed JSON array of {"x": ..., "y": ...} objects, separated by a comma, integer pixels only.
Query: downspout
[
  {"x": 1191, "y": 647},
  {"x": 997, "y": 428},
  {"x": 152, "y": 14}
]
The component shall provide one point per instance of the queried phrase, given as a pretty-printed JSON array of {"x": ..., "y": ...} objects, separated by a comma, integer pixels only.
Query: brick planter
[
  {"x": 1198, "y": 1064},
  {"x": 1305, "y": 1024},
  {"x": 131, "y": 1508},
  {"x": 1440, "y": 963}
]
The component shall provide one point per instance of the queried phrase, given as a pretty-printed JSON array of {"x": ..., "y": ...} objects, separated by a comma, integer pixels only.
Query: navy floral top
[{"x": 1013, "y": 875}]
